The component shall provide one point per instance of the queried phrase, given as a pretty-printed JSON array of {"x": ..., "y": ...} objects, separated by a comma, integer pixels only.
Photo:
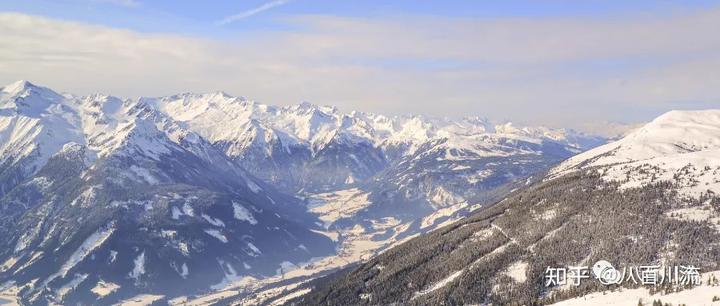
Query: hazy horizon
[{"x": 556, "y": 63}]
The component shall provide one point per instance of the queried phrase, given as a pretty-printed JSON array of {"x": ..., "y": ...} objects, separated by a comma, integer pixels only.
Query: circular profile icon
[{"x": 606, "y": 273}]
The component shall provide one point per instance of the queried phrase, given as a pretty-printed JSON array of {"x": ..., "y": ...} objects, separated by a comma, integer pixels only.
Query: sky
[{"x": 578, "y": 64}]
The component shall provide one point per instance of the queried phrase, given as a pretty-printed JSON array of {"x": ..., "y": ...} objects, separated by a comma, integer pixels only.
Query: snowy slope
[
  {"x": 35, "y": 123},
  {"x": 99, "y": 192},
  {"x": 702, "y": 295},
  {"x": 651, "y": 198},
  {"x": 316, "y": 126},
  {"x": 132, "y": 196},
  {"x": 679, "y": 146},
  {"x": 291, "y": 145}
]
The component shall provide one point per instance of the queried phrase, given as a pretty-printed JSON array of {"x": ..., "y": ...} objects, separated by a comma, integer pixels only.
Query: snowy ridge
[
  {"x": 560, "y": 219},
  {"x": 679, "y": 146},
  {"x": 316, "y": 126},
  {"x": 313, "y": 148},
  {"x": 200, "y": 176},
  {"x": 91, "y": 243},
  {"x": 116, "y": 191},
  {"x": 674, "y": 133},
  {"x": 35, "y": 123}
]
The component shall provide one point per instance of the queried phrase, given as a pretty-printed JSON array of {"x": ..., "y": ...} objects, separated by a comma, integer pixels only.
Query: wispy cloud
[
  {"x": 251, "y": 12},
  {"x": 126, "y": 3},
  {"x": 549, "y": 71}
]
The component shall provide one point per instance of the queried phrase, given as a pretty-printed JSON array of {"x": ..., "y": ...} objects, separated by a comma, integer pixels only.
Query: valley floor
[
  {"x": 8, "y": 298},
  {"x": 356, "y": 244}
]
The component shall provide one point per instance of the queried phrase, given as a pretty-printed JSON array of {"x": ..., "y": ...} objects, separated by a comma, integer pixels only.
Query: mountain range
[
  {"x": 650, "y": 198},
  {"x": 104, "y": 199}
]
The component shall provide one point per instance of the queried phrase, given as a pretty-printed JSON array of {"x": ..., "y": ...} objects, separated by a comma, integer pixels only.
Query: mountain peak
[
  {"x": 17, "y": 87},
  {"x": 306, "y": 104},
  {"x": 303, "y": 107},
  {"x": 221, "y": 94},
  {"x": 709, "y": 117},
  {"x": 672, "y": 139},
  {"x": 676, "y": 127},
  {"x": 27, "y": 98},
  {"x": 22, "y": 87}
]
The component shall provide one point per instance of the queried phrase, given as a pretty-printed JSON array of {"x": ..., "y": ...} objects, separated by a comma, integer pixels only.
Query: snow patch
[
  {"x": 176, "y": 213},
  {"x": 144, "y": 174},
  {"x": 113, "y": 256},
  {"x": 230, "y": 275},
  {"x": 241, "y": 213},
  {"x": 140, "y": 300},
  {"x": 88, "y": 246},
  {"x": 9, "y": 263},
  {"x": 217, "y": 234},
  {"x": 139, "y": 267},
  {"x": 184, "y": 271},
  {"x": 103, "y": 288},
  {"x": 213, "y": 221},
  {"x": 699, "y": 295},
  {"x": 255, "y": 250},
  {"x": 446, "y": 212},
  {"x": 517, "y": 271},
  {"x": 70, "y": 286},
  {"x": 442, "y": 283},
  {"x": 184, "y": 249},
  {"x": 253, "y": 187},
  {"x": 188, "y": 210}
]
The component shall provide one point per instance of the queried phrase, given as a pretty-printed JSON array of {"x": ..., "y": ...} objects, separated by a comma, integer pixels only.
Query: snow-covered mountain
[
  {"x": 318, "y": 148},
  {"x": 651, "y": 198},
  {"x": 103, "y": 198},
  {"x": 408, "y": 167},
  {"x": 682, "y": 147}
]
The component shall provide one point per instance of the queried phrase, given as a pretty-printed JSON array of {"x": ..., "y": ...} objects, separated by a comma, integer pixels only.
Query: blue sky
[
  {"x": 562, "y": 63},
  {"x": 199, "y": 17}
]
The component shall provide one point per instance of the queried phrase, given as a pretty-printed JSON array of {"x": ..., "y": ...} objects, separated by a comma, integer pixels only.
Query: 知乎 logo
[{"x": 606, "y": 273}]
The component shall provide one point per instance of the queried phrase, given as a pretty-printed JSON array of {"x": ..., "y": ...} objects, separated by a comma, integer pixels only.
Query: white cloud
[
  {"x": 556, "y": 71},
  {"x": 251, "y": 12},
  {"x": 513, "y": 40}
]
